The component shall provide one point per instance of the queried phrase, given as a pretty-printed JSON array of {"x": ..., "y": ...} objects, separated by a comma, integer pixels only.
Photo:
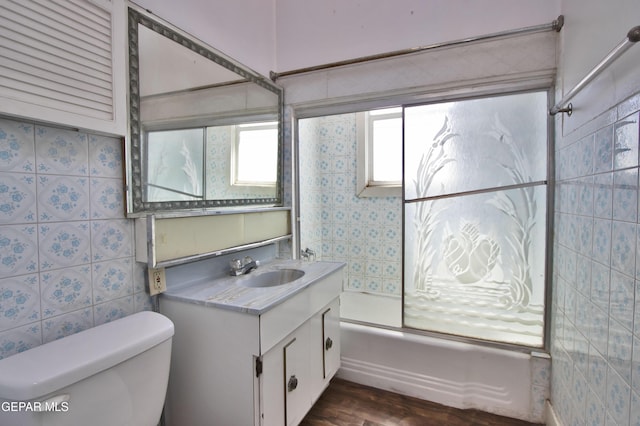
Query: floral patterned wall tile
[
  {"x": 64, "y": 244},
  {"x": 19, "y": 301},
  {"x": 603, "y": 156},
  {"x": 625, "y": 195},
  {"x": 112, "y": 280},
  {"x": 112, "y": 310},
  {"x": 18, "y": 250},
  {"x": 107, "y": 199},
  {"x": 111, "y": 239},
  {"x": 66, "y": 249},
  {"x": 17, "y": 146},
  {"x": 20, "y": 339},
  {"x": 625, "y": 142},
  {"x": 61, "y": 152},
  {"x": 366, "y": 233},
  {"x": 17, "y": 198},
  {"x": 142, "y": 302},
  {"x": 65, "y": 290},
  {"x": 601, "y": 324},
  {"x": 105, "y": 157},
  {"x": 63, "y": 198},
  {"x": 65, "y": 325}
]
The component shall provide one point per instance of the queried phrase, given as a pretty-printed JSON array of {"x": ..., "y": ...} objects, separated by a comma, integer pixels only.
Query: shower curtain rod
[
  {"x": 555, "y": 25},
  {"x": 633, "y": 36}
]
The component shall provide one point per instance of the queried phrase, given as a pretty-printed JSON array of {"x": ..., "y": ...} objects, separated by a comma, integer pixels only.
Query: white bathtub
[{"x": 452, "y": 373}]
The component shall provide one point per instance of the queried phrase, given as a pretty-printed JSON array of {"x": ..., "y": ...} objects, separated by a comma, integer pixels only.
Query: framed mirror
[{"x": 205, "y": 131}]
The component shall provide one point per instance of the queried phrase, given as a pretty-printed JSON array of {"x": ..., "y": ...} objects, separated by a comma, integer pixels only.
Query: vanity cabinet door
[
  {"x": 285, "y": 388},
  {"x": 325, "y": 346},
  {"x": 297, "y": 384},
  {"x": 331, "y": 340}
]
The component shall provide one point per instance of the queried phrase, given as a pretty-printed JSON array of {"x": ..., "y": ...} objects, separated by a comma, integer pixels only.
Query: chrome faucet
[
  {"x": 241, "y": 267},
  {"x": 307, "y": 254}
]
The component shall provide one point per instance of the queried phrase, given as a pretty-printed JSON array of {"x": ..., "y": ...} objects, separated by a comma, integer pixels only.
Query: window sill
[{"x": 380, "y": 191}]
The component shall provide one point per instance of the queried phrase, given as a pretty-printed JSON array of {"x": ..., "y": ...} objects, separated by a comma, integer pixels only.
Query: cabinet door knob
[
  {"x": 328, "y": 343},
  {"x": 293, "y": 383}
]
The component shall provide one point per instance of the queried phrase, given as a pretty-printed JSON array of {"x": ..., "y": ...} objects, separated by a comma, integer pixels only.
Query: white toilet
[{"x": 112, "y": 374}]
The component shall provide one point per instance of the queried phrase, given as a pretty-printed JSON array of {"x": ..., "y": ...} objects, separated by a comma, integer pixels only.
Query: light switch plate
[{"x": 157, "y": 281}]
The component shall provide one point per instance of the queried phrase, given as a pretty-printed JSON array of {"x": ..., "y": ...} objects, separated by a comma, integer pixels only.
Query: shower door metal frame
[{"x": 549, "y": 215}]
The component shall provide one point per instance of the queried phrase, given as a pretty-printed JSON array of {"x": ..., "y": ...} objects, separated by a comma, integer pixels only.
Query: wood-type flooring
[{"x": 346, "y": 403}]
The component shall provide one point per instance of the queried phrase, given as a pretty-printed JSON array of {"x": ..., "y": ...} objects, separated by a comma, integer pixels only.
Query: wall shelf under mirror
[
  {"x": 200, "y": 125},
  {"x": 169, "y": 241}
]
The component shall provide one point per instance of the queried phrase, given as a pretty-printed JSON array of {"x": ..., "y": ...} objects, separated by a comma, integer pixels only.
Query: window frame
[{"x": 365, "y": 185}]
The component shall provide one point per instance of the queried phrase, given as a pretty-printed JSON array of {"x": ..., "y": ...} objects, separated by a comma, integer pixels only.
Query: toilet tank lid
[{"x": 60, "y": 363}]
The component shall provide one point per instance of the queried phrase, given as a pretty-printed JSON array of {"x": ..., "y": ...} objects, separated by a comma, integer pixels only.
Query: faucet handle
[
  {"x": 308, "y": 254},
  {"x": 235, "y": 264}
]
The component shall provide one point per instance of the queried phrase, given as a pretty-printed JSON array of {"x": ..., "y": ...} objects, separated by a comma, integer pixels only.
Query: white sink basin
[{"x": 271, "y": 278}]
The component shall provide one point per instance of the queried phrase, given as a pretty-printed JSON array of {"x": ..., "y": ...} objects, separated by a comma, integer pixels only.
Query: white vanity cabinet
[
  {"x": 231, "y": 367},
  {"x": 298, "y": 369}
]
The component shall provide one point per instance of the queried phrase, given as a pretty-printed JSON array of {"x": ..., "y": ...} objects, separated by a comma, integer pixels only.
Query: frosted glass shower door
[
  {"x": 475, "y": 206},
  {"x": 171, "y": 176}
]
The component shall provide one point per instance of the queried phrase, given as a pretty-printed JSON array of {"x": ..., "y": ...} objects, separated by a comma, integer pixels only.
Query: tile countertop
[{"x": 227, "y": 293}]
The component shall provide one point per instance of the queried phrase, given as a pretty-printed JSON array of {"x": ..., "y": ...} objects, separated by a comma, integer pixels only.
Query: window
[
  {"x": 255, "y": 147},
  {"x": 379, "y": 162}
]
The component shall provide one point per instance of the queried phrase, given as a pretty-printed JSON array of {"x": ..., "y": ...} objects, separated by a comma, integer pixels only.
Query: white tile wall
[{"x": 596, "y": 288}]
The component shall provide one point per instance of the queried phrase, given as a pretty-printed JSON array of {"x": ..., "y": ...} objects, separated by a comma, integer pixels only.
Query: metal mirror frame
[{"x": 135, "y": 203}]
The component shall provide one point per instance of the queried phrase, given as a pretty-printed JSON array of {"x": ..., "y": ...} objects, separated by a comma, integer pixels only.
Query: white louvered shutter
[{"x": 62, "y": 61}]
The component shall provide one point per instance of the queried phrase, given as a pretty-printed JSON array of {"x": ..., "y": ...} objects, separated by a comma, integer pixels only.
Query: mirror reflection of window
[
  {"x": 175, "y": 165},
  {"x": 255, "y": 154}
]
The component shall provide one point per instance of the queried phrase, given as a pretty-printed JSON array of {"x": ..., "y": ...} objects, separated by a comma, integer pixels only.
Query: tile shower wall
[
  {"x": 596, "y": 289},
  {"x": 364, "y": 232},
  {"x": 66, "y": 250}
]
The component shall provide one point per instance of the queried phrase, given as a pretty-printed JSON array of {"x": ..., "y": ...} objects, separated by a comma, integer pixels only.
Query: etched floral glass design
[{"x": 475, "y": 217}]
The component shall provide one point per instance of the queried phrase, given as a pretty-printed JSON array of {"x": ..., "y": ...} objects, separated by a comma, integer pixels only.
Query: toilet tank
[{"x": 112, "y": 374}]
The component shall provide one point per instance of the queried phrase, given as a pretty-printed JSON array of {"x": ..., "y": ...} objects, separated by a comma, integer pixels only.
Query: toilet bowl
[{"x": 112, "y": 374}]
